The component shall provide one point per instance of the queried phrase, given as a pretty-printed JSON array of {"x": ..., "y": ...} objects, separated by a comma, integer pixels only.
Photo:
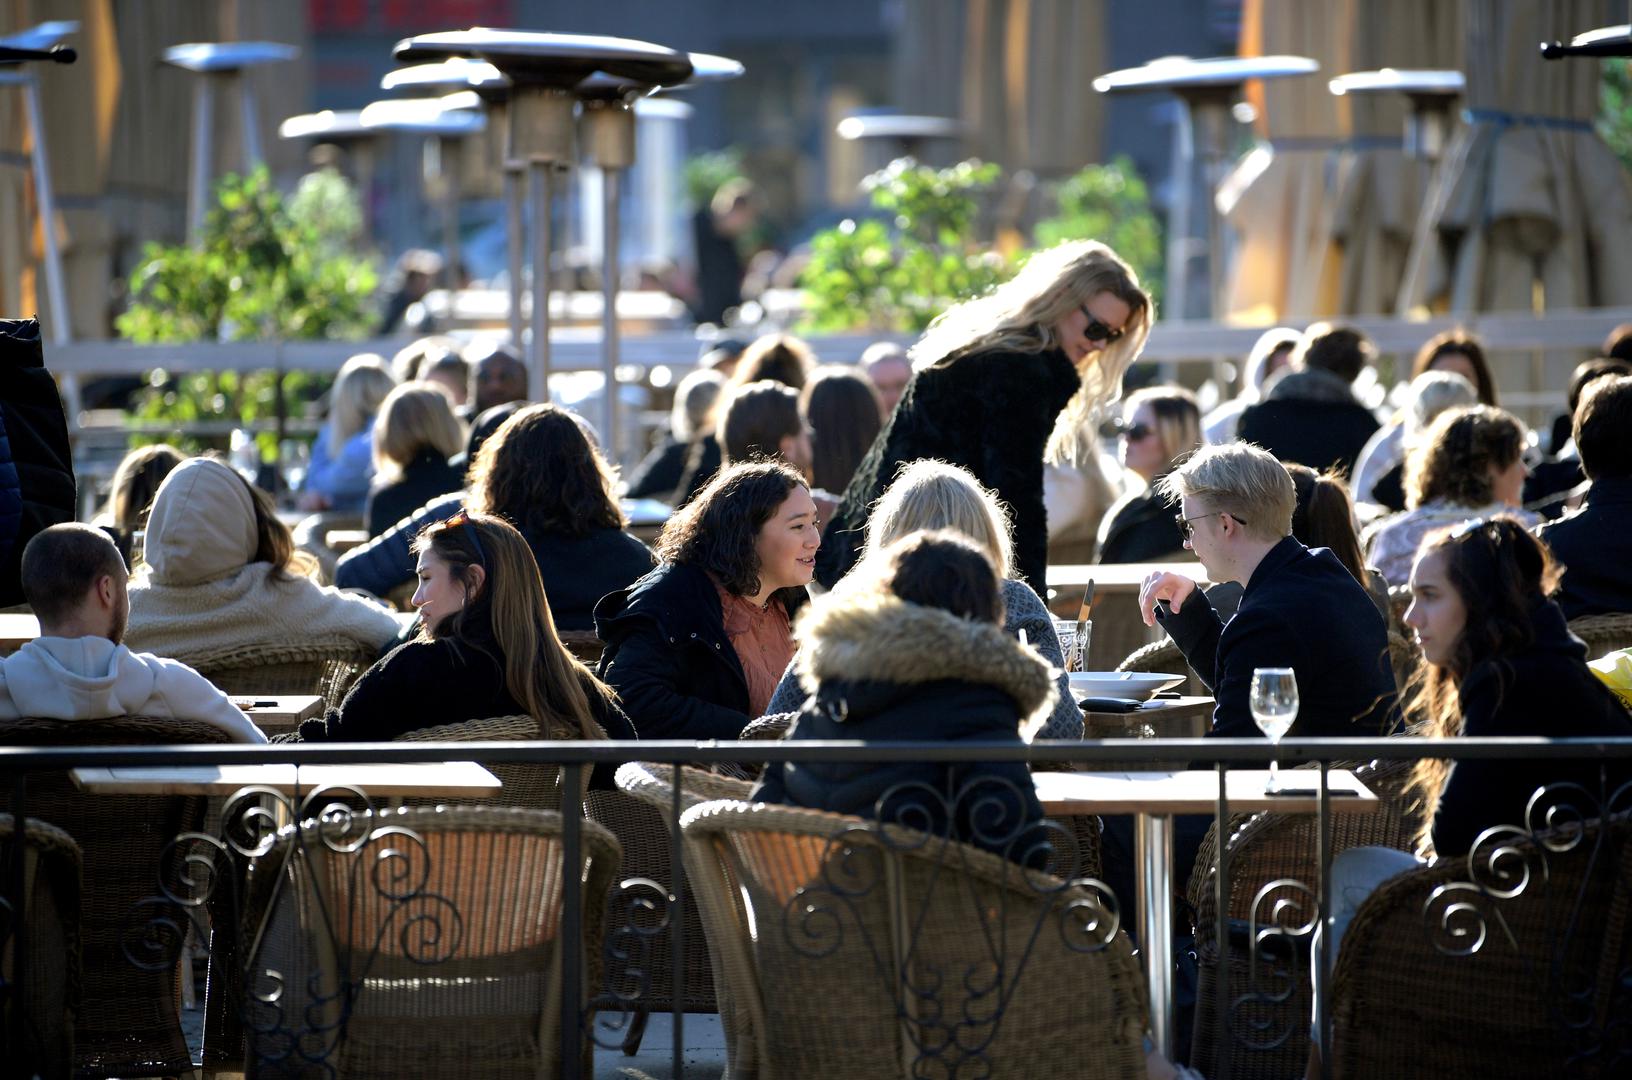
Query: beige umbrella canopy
[
  {"x": 1379, "y": 190},
  {"x": 1278, "y": 200},
  {"x": 1529, "y": 209}
]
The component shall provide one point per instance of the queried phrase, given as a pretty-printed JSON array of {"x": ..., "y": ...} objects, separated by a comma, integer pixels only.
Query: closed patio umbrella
[
  {"x": 1379, "y": 186},
  {"x": 1278, "y": 201},
  {"x": 1530, "y": 209}
]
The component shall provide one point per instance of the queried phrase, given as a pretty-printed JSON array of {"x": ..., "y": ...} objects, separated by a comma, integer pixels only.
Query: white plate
[{"x": 1139, "y": 685}]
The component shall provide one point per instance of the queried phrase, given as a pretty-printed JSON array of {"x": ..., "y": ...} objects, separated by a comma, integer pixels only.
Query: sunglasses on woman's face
[
  {"x": 1135, "y": 432},
  {"x": 1098, "y": 331}
]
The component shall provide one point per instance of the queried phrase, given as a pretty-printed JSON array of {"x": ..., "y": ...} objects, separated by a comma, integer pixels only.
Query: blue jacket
[
  {"x": 344, "y": 476},
  {"x": 1301, "y": 609}
]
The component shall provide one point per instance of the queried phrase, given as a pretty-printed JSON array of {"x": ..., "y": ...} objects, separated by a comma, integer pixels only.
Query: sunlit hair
[
  {"x": 541, "y": 473},
  {"x": 694, "y": 402},
  {"x": 1239, "y": 479},
  {"x": 928, "y": 495},
  {"x": 274, "y": 543},
  {"x": 1256, "y": 366},
  {"x": 1455, "y": 458},
  {"x": 717, "y": 530},
  {"x": 781, "y": 358},
  {"x": 1432, "y": 393},
  {"x": 1338, "y": 350},
  {"x": 841, "y": 407},
  {"x": 1178, "y": 418},
  {"x": 359, "y": 389},
  {"x": 415, "y": 417},
  {"x": 1325, "y": 517},
  {"x": 544, "y": 678},
  {"x": 1500, "y": 572},
  {"x": 136, "y": 481},
  {"x": 755, "y": 418},
  {"x": 1020, "y": 314},
  {"x": 1465, "y": 344},
  {"x": 412, "y": 360}
]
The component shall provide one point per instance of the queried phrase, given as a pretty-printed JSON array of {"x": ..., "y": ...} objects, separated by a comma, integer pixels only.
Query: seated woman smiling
[{"x": 487, "y": 647}]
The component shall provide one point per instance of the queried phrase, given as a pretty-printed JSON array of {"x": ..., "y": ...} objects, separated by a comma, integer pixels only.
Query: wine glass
[{"x": 1274, "y": 707}]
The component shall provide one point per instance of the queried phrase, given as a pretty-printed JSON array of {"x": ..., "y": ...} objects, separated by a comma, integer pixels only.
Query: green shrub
[{"x": 1110, "y": 203}]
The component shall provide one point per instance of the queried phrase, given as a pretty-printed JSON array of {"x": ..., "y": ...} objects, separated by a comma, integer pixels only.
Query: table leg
[{"x": 1153, "y": 838}]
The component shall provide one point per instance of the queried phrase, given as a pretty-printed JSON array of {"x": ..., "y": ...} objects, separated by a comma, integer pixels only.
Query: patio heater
[
  {"x": 1605, "y": 41},
  {"x": 343, "y": 128},
  {"x": 543, "y": 69},
  {"x": 1207, "y": 89},
  {"x": 1432, "y": 95},
  {"x": 608, "y": 135},
  {"x": 222, "y": 64},
  {"x": 42, "y": 42},
  {"x": 886, "y": 133}
]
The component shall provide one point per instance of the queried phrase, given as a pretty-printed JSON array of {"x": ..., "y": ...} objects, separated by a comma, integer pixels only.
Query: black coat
[
  {"x": 36, "y": 463},
  {"x": 1140, "y": 528},
  {"x": 1303, "y": 610},
  {"x": 424, "y": 684},
  {"x": 1546, "y": 689},
  {"x": 990, "y": 412},
  {"x": 1311, "y": 418},
  {"x": 886, "y": 670},
  {"x": 658, "y": 473},
  {"x": 703, "y": 459},
  {"x": 668, "y": 657},
  {"x": 427, "y": 477},
  {"x": 1595, "y": 546}
]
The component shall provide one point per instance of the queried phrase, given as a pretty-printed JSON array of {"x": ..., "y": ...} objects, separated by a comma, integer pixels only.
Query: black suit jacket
[
  {"x": 1595, "y": 546},
  {"x": 1319, "y": 434},
  {"x": 1303, "y": 610}
]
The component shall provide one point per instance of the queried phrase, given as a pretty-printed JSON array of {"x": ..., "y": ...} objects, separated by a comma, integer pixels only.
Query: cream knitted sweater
[{"x": 201, "y": 593}]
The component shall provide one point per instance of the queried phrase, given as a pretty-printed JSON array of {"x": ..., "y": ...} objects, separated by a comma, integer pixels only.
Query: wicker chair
[
  {"x": 652, "y": 785},
  {"x": 584, "y": 645},
  {"x": 326, "y": 669},
  {"x": 525, "y": 784},
  {"x": 851, "y": 956},
  {"x": 1603, "y": 634},
  {"x": 431, "y": 992},
  {"x": 1268, "y": 847},
  {"x": 1399, "y": 598},
  {"x": 51, "y": 986},
  {"x": 1403, "y": 1007},
  {"x": 128, "y": 1022}
]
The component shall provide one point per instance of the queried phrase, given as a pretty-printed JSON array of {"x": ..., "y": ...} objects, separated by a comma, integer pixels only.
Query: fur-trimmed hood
[{"x": 881, "y": 639}]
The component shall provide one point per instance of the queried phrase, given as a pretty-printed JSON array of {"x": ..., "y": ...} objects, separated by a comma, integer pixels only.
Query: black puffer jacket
[
  {"x": 668, "y": 657},
  {"x": 990, "y": 412},
  {"x": 36, "y": 463},
  {"x": 887, "y": 670}
]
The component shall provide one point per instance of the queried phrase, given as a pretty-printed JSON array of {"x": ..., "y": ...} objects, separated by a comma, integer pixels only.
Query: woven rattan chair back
[
  {"x": 326, "y": 669},
  {"x": 1603, "y": 634},
  {"x": 1541, "y": 994},
  {"x": 50, "y": 945},
  {"x": 535, "y": 786},
  {"x": 431, "y": 957},
  {"x": 854, "y": 957},
  {"x": 128, "y": 1022},
  {"x": 1268, "y": 847}
]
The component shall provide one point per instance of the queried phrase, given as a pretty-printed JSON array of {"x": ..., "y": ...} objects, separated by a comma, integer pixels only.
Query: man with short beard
[{"x": 78, "y": 669}]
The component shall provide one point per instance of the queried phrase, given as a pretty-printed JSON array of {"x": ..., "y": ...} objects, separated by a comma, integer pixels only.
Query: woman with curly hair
[
  {"x": 996, "y": 375},
  {"x": 1469, "y": 464},
  {"x": 540, "y": 472},
  {"x": 695, "y": 648}
]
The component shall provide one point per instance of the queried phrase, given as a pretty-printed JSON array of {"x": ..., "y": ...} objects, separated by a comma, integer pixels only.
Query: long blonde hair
[
  {"x": 1019, "y": 316},
  {"x": 359, "y": 390},
  {"x": 929, "y": 495},
  {"x": 544, "y": 678}
]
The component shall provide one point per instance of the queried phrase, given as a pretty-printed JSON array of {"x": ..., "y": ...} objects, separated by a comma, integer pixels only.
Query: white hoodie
[{"x": 91, "y": 678}]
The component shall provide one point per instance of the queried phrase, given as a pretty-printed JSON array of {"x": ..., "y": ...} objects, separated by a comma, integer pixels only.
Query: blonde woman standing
[{"x": 993, "y": 377}]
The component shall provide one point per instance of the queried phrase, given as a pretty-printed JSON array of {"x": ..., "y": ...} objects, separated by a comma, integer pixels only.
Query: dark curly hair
[
  {"x": 1500, "y": 573},
  {"x": 540, "y": 472},
  {"x": 1455, "y": 458},
  {"x": 717, "y": 529}
]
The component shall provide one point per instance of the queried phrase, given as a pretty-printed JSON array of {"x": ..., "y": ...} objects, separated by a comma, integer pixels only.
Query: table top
[
  {"x": 274, "y": 713},
  {"x": 452, "y": 778},
  {"x": 1117, "y": 577},
  {"x": 1194, "y": 791},
  {"x": 17, "y": 629}
]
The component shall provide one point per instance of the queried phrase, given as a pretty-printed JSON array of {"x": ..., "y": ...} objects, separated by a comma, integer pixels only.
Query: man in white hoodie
[{"x": 78, "y": 669}]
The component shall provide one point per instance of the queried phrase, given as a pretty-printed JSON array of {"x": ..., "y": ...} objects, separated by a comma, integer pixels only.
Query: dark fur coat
[{"x": 990, "y": 412}]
